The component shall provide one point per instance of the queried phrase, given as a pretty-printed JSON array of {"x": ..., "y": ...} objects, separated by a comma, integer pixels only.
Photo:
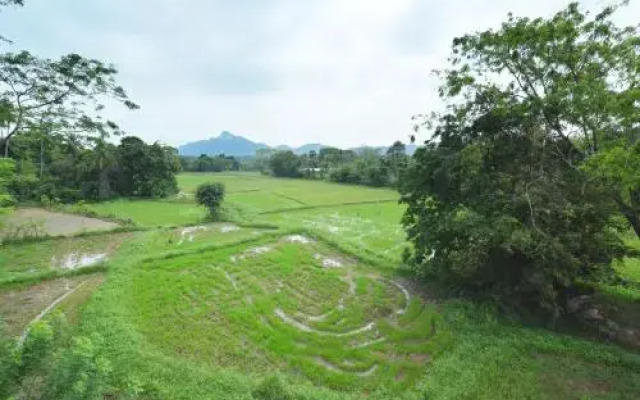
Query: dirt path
[
  {"x": 21, "y": 306},
  {"x": 46, "y": 311}
]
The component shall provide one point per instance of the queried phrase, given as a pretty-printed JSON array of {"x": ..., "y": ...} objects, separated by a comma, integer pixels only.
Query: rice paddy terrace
[{"x": 289, "y": 303}]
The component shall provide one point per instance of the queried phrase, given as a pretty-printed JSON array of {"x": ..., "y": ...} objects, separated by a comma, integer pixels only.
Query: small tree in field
[{"x": 210, "y": 195}]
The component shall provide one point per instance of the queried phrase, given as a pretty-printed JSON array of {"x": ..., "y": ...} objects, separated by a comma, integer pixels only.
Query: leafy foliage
[
  {"x": 498, "y": 203},
  {"x": 285, "y": 164},
  {"x": 59, "y": 169},
  {"x": 204, "y": 163},
  {"x": 365, "y": 167},
  {"x": 575, "y": 74},
  {"x": 271, "y": 388},
  {"x": 146, "y": 170},
  {"x": 56, "y": 95},
  {"x": 7, "y": 173},
  {"x": 211, "y": 196},
  {"x": 11, "y": 2}
]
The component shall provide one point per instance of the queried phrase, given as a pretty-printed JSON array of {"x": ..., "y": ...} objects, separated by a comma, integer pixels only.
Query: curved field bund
[{"x": 291, "y": 304}]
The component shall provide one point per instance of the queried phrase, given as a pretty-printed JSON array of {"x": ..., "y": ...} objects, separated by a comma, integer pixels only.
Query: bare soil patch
[
  {"x": 40, "y": 222},
  {"x": 18, "y": 307}
]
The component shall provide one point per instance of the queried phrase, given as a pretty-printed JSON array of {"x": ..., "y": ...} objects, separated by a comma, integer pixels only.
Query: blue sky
[{"x": 339, "y": 72}]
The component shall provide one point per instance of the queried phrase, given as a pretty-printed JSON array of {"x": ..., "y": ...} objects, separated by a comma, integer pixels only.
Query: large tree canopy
[
  {"x": 514, "y": 195},
  {"x": 66, "y": 94},
  {"x": 577, "y": 75}
]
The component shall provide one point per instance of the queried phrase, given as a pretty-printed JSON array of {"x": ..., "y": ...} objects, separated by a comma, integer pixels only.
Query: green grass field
[
  {"x": 249, "y": 196},
  {"x": 148, "y": 213},
  {"x": 33, "y": 260},
  {"x": 275, "y": 305},
  {"x": 195, "y": 310}
]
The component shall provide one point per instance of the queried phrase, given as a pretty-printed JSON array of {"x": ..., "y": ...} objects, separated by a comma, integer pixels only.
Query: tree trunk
[
  {"x": 632, "y": 215},
  {"x": 41, "y": 158},
  {"x": 6, "y": 147}
]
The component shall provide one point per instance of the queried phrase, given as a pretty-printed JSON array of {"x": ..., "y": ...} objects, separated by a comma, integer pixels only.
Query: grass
[
  {"x": 231, "y": 310},
  {"x": 293, "y": 193},
  {"x": 370, "y": 229},
  {"x": 149, "y": 213},
  {"x": 35, "y": 260},
  {"x": 195, "y": 313},
  {"x": 248, "y": 196}
]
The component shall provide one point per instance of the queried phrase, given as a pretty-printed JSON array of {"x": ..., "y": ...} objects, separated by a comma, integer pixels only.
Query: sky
[{"x": 338, "y": 72}]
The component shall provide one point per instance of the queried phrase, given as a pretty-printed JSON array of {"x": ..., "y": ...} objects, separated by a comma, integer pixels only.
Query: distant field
[
  {"x": 248, "y": 194},
  {"x": 247, "y": 190},
  {"x": 149, "y": 213}
]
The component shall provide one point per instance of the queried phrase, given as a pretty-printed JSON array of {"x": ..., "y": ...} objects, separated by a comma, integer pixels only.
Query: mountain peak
[
  {"x": 233, "y": 145},
  {"x": 226, "y": 135},
  {"x": 225, "y": 143}
]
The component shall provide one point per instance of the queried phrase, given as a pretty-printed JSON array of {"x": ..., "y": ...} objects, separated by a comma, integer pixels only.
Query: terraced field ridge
[{"x": 294, "y": 304}]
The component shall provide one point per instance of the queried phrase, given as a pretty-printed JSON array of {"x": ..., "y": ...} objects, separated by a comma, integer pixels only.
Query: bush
[
  {"x": 82, "y": 371},
  {"x": 8, "y": 365},
  {"x": 285, "y": 164},
  {"x": 271, "y": 388},
  {"x": 210, "y": 195},
  {"x": 344, "y": 174},
  {"x": 492, "y": 230}
]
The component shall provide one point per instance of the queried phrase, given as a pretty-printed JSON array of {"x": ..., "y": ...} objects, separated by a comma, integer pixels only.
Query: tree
[
  {"x": 146, "y": 170},
  {"x": 211, "y": 196},
  {"x": 262, "y": 159},
  {"x": 285, "y": 164},
  {"x": 11, "y": 2},
  {"x": 370, "y": 166},
  {"x": 397, "y": 158},
  {"x": 500, "y": 202},
  {"x": 66, "y": 93},
  {"x": 575, "y": 73},
  {"x": 7, "y": 172}
]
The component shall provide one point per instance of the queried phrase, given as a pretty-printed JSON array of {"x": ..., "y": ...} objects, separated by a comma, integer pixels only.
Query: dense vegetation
[
  {"x": 211, "y": 196},
  {"x": 520, "y": 192},
  {"x": 54, "y": 168},
  {"x": 204, "y": 163},
  {"x": 51, "y": 124},
  {"x": 7, "y": 172},
  {"x": 364, "y": 167}
]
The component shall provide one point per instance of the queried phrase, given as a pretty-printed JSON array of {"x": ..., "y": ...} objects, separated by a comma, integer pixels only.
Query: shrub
[
  {"x": 210, "y": 195},
  {"x": 285, "y": 164},
  {"x": 8, "y": 365},
  {"x": 521, "y": 236},
  {"x": 82, "y": 371},
  {"x": 271, "y": 388},
  {"x": 37, "y": 345},
  {"x": 344, "y": 174}
]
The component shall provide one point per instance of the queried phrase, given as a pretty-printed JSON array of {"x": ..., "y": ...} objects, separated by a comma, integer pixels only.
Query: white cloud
[{"x": 340, "y": 72}]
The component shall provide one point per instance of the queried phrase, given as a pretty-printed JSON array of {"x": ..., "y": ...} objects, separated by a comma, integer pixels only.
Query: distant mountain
[
  {"x": 238, "y": 146},
  {"x": 225, "y": 143},
  {"x": 308, "y": 147},
  {"x": 304, "y": 149}
]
